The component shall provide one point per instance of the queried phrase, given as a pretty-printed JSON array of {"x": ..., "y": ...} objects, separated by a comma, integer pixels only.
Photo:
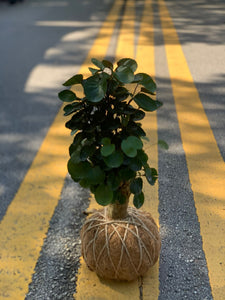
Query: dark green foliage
[{"x": 107, "y": 149}]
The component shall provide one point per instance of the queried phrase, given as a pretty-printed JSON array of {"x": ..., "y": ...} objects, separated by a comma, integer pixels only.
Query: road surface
[{"x": 43, "y": 43}]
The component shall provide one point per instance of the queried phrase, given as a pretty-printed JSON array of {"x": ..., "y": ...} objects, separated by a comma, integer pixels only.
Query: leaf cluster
[{"x": 107, "y": 148}]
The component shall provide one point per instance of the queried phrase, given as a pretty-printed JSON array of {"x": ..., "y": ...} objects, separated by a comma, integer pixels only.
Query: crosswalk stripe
[
  {"x": 23, "y": 227},
  {"x": 205, "y": 163}
]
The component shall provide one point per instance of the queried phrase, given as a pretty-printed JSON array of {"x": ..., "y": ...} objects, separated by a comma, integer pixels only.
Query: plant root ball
[{"x": 120, "y": 249}]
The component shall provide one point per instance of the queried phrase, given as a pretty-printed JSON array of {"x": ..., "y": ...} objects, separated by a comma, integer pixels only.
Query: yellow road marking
[
  {"x": 205, "y": 163},
  {"x": 23, "y": 228},
  {"x": 100, "y": 289},
  {"x": 145, "y": 59}
]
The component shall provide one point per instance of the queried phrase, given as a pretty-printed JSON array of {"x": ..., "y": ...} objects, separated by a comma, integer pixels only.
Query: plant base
[{"x": 120, "y": 249}]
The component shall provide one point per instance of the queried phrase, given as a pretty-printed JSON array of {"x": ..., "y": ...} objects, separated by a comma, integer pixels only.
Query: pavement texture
[{"x": 45, "y": 42}]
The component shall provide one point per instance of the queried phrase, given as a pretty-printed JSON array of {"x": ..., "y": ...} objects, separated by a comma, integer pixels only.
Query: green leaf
[
  {"x": 67, "y": 96},
  {"x": 135, "y": 164},
  {"x": 138, "y": 200},
  {"x": 114, "y": 160},
  {"x": 136, "y": 186},
  {"x": 95, "y": 88},
  {"x": 93, "y": 71},
  {"x": 78, "y": 171},
  {"x": 128, "y": 62},
  {"x": 95, "y": 176},
  {"x": 131, "y": 145},
  {"x": 121, "y": 93},
  {"x": 75, "y": 156},
  {"x": 163, "y": 144},
  {"x": 76, "y": 79},
  {"x": 126, "y": 173},
  {"x": 84, "y": 183},
  {"x": 97, "y": 63},
  {"x": 145, "y": 138},
  {"x": 142, "y": 156},
  {"x": 107, "y": 148},
  {"x": 144, "y": 90},
  {"x": 103, "y": 195},
  {"x": 151, "y": 174},
  {"x": 138, "y": 115},
  {"x": 70, "y": 108},
  {"x": 87, "y": 151},
  {"x": 124, "y": 74},
  {"x": 74, "y": 131},
  {"x": 146, "y": 103},
  {"x": 72, "y": 170},
  {"x": 113, "y": 181},
  {"x": 146, "y": 81},
  {"x": 135, "y": 129},
  {"x": 120, "y": 197}
]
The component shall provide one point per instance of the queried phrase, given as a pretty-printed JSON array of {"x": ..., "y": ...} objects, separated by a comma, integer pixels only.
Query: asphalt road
[{"x": 42, "y": 43}]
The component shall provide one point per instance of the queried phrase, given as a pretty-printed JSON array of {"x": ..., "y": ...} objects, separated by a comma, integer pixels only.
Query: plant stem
[{"x": 117, "y": 211}]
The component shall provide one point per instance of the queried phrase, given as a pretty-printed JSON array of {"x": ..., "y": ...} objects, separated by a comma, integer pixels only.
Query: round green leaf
[
  {"x": 146, "y": 80},
  {"x": 97, "y": 63},
  {"x": 138, "y": 200},
  {"x": 128, "y": 62},
  {"x": 126, "y": 173},
  {"x": 70, "y": 108},
  {"x": 75, "y": 156},
  {"x": 106, "y": 141},
  {"x": 93, "y": 71},
  {"x": 76, "y": 79},
  {"x": 138, "y": 115},
  {"x": 67, "y": 96},
  {"x": 151, "y": 174},
  {"x": 84, "y": 183},
  {"x": 114, "y": 160},
  {"x": 87, "y": 151},
  {"x": 136, "y": 186},
  {"x": 131, "y": 145},
  {"x": 142, "y": 156},
  {"x": 113, "y": 181},
  {"x": 79, "y": 170},
  {"x": 95, "y": 88},
  {"x": 146, "y": 103},
  {"x": 135, "y": 164},
  {"x": 95, "y": 176},
  {"x": 107, "y": 150},
  {"x": 103, "y": 195},
  {"x": 124, "y": 74}
]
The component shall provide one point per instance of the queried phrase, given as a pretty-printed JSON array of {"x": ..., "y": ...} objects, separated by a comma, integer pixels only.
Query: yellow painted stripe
[
  {"x": 125, "y": 45},
  {"x": 145, "y": 59},
  {"x": 205, "y": 163},
  {"x": 99, "y": 289},
  {"x": 23, "y": 228}
]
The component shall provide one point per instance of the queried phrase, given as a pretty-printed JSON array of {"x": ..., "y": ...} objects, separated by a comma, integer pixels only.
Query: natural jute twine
[{"x": 120, "y": 249}]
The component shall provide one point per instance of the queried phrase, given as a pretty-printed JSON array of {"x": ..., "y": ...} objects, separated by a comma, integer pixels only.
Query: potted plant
[{"x": 107, "y": 156}]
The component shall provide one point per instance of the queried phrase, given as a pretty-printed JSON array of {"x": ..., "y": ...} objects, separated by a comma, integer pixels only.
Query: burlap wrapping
[{"x": 120, "y": 249}]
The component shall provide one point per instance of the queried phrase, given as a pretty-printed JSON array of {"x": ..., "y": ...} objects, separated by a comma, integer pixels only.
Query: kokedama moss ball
[{"x": 120, "y": 249}]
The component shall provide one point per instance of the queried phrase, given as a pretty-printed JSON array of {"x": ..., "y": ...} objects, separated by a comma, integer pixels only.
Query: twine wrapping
[{"x": 120, "y": 249}]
